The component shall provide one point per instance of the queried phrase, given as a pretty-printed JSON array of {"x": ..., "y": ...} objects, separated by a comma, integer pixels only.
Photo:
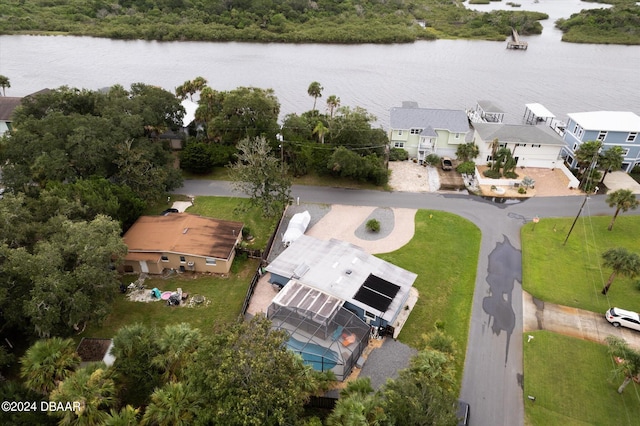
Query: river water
[{"x": 451, "y": 74}]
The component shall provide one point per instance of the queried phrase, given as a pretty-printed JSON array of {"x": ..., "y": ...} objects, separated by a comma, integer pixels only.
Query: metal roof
[
  {"x": 339, "y": 269},
  {"x": 454, "y": 121},
  {"x": 612, "y": 121},
  {"x": 539, "y": 110},
  {"x": 518, "y": 133}
]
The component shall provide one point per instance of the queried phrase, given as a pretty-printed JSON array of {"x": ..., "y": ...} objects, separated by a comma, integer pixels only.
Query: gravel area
[
  {"x": 384, "y": 363},
  {"x": 385, "y": 216},
  {"x": 408, "y": 176}
]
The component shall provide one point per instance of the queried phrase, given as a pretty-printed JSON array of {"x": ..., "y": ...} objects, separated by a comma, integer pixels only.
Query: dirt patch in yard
[{"x": 93, "y": 350}]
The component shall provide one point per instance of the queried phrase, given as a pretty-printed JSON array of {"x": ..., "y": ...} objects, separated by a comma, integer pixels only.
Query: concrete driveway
[
  {"x": 540, "y": 315},
  {"x": 620, "y": 180}
]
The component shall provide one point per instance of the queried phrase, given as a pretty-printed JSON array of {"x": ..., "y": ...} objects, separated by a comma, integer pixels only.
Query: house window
[
  {"x": 602, "y": 135},
  {"x": 535, "y": 145},
  {"x": 580, "y": 133},
  {"x": 632, "y": 137},
  {"x": 399, "y": 132},
  {"x": 164, "y": 258},
  {"x": 524, "y": 145},
  {"x": 457, "y": 136},
  {"x": 210, "y": 261},
  {"x": 182, "y": 259},
  {"x": 416, "y": 131},
  {"x": 575, "y": 146},
  {"x": 575, "y": 129},
  {"x": 369, "y": 315},
  {"x": 625, "y": 152},
  {"x": 398, "y": 144},
  {"x": 489, "y": 158}
]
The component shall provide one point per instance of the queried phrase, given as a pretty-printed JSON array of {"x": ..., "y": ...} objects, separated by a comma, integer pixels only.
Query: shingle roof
[
  {"x": 518, "y": 133},
  {"x": 613, "y": 121},
  {"x": 454, "y": 121},
  {"x": 7, "y": 106},
  {"x": 183, "y": 233}
]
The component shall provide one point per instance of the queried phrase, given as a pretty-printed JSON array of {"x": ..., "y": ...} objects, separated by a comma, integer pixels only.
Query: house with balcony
[
  {"x": 424, "y": 131},
  {"x": 182, "y": 242},
  {"x": 531, "y": 146},
  {"x": 612, "y": 128}
]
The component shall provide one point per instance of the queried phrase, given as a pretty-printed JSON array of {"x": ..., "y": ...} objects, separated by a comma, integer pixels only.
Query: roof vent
[
  {"x": 185, "y": 230},
  {"x": 348, "y": 271}
]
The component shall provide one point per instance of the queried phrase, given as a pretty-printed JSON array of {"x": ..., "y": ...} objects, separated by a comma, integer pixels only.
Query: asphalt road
[{"x": 493, "y": 376}]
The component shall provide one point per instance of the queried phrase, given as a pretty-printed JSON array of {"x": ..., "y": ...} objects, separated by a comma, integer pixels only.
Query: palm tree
[
  {"x": 176, "y": 344},
  {"x": 4, "y": 83},
  {"x": 95, "y": 391},
  {"x": 358, "y": 405},
  {"x": 333, "y": 103},
  {"x": 127, "y": 416},
  {"x": 629, "y": 361},
  {"x": 467, "y": 151},
  {"x": 315, "y": 91},
  {"x": 611, "y": 159},
  {"x": 622, "y": 262},
  {"x": 320, "y": 130},
  {"x": 47, "y": 363},
  {"x": 622, "y": 199},
  {"x": 172, "y": 405},
  {"x": 586, "y": 153}
]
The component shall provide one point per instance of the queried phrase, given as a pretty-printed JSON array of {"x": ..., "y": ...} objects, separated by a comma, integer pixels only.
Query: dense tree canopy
[
  {"x": 328, "y": 21},
  {"x": 70, "y": 134}
]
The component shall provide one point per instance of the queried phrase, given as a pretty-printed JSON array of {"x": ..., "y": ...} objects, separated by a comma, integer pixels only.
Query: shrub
[
  {"x": 467, "y": 168},
  {"x": 398, "y": 154},
  {"x": 373, "y": 225},
  {"x": 492, "y": 174},
  {"x": 432, "y": 159},
  {"x": 521, "y": 190},
  {"x": 511, "y": 175}
]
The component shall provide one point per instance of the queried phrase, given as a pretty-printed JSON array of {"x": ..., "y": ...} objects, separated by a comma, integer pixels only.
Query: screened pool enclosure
[{"x": 328, "y": 338}]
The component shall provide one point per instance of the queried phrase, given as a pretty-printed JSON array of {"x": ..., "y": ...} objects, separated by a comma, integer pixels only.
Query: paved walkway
[{"x": 540, "y": 315}]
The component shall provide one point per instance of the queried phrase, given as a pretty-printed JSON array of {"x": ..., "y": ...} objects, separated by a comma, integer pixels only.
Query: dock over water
[{"x": 515, "y": 42}]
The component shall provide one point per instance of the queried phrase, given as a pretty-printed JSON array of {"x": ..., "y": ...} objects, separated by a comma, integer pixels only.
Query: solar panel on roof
[
  {"x": 377, "y": 293},
  {"x": 371, "y": 298},
  {"x": 381, "y": 286}
]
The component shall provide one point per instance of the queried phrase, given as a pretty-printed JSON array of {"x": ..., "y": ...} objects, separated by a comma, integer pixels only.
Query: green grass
[
  {"x": 226, "y": 295},
  {"x": 572, "y": 275},
  {"x": 229, "y": 208},
  {"x": 572, "y": 382},
  {"x": 444, "y": 254}
]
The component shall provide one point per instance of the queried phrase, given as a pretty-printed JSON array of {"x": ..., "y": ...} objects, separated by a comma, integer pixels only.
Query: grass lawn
[
  {"x": 312, "y": 179},
  {"x": 228, "y": 208},
  {"x": 572, "y": 382},
  {"x": 226, "y": 296},
  {"x": 444, "y": 254},
  {"x": 572, "y": 275}
]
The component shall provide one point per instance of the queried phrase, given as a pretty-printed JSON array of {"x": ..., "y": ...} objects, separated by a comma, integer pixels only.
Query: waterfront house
[
  {"x": 612, "y": 128},
  {"x": 424, "y": 131},
  {"x": 531, "y": 146},
  {"x": 182, "y": 242}
]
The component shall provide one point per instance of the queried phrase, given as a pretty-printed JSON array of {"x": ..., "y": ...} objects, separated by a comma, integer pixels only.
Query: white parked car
[{"x": 620, "y": 317}]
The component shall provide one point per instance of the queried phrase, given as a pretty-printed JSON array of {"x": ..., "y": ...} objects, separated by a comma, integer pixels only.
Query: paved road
[{"x": 493, "y": 374}]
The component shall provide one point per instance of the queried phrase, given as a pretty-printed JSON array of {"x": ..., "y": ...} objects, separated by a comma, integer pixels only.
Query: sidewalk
[{"x": 540, "y": 315}]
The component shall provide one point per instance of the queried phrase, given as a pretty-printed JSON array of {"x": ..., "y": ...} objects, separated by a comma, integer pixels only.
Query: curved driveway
[{"x": 493, "y": 374}]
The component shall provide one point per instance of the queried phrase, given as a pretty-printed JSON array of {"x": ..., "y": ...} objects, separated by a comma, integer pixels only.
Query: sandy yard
[
  {"x": 408, "y": 176},
  {"x": 548, "y": 183}
]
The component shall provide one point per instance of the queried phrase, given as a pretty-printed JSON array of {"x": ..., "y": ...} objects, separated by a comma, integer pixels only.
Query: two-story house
[
  {"x": 424, "y": 131},
  {"x": 531, "y": 146},
  {"x": 612, "y": 128}
]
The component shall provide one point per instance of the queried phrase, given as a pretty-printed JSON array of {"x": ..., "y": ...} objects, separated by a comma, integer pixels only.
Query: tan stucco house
[{"x": 183, "y": 242}]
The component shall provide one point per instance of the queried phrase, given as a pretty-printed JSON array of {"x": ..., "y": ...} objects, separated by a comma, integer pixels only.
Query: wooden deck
[{"x": 515, "y": 42}]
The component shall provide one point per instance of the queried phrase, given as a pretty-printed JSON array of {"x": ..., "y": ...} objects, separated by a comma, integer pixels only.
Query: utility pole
[{"x": 576, "y": 219}]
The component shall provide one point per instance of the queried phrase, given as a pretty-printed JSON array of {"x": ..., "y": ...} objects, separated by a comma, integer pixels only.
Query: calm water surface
[{"x": 439, "y": 74}]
